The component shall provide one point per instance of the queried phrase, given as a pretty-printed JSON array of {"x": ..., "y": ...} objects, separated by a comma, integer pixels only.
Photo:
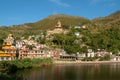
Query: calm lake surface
[{"x": 73, "y": 72}]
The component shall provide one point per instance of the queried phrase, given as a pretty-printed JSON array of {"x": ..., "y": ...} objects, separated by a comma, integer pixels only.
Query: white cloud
[{"x": 59, "y": 2}]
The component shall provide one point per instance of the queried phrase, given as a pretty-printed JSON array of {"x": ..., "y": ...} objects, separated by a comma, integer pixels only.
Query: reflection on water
[{"x": 74, "y": 72}]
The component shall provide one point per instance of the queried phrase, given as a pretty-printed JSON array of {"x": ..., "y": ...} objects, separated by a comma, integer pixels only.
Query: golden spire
[{"x": 10, "y": 35}]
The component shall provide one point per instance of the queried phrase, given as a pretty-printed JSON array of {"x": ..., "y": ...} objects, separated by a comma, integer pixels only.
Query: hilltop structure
[{"x": 58, "y": 29}]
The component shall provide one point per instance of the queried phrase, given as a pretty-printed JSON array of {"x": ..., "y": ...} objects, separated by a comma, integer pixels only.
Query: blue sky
[{"x": 15, "y": 12}]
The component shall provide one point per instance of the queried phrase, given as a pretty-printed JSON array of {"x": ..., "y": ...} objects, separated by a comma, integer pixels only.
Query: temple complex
[
  {"x": 9, "y": 47},
  {"x": 58, "y": 29}
]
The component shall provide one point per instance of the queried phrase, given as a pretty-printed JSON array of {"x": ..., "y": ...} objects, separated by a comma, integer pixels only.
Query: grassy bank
[{"x": 13, "y": 66}]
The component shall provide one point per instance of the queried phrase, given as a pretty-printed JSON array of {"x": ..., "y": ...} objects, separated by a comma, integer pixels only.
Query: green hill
[
  {"x": 45, "y": 24},
  {"x": 67, "y": 21},
  {"x": 109, "y": 21},
  {"x": 50, "y": 22}
]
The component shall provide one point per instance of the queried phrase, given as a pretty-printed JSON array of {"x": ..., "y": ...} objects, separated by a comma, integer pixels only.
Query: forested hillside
[
  {"x": 109, "y": 21},
  {"x": 101, "y": 32}
]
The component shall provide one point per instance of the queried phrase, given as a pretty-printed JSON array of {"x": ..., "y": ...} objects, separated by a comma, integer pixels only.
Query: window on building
[
  {"x": 2, "y": 58},
  {"x": 7, "y": 58}
]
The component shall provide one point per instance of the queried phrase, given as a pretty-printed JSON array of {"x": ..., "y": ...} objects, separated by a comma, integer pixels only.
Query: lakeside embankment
[
  {"x": 84, "y": 62},
  {"x": 13, "y": 66}
]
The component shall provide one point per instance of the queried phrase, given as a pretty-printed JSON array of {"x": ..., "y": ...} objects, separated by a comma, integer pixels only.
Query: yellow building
[
  {"x": 4, "y": 56},
  {"x": 8, "y": 47}
]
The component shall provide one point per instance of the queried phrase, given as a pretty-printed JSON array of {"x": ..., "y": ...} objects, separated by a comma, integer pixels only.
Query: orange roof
[
  {"x": 8, "y": 47},
  {"x": 4, "y": 54}
]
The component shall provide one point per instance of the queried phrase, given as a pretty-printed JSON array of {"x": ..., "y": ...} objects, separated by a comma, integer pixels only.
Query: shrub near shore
[{"x": 13, "y": 66}]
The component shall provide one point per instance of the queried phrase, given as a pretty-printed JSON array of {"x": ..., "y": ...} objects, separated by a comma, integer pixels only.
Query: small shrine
[{"x": 58, "y": 29}]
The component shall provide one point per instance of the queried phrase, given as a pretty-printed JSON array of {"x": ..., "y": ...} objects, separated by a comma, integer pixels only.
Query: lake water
[{"x": 73, "y": 72}]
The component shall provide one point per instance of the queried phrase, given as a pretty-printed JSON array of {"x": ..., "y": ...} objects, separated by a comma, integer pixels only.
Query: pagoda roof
[
  {"x": 8, "y": 47},
  {"x": 2, "y": 52}
]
